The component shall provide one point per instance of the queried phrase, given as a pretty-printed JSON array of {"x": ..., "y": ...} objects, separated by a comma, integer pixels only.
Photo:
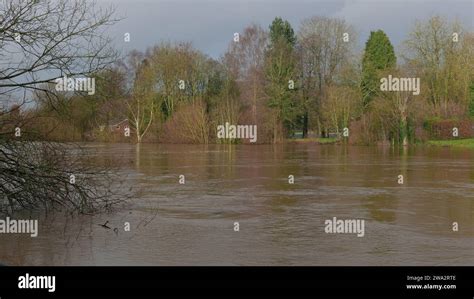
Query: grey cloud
[{"x": 209, "y": 25}]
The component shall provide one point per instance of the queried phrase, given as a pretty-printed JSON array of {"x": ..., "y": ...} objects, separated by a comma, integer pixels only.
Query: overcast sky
[{"x": 210, "y": 24}]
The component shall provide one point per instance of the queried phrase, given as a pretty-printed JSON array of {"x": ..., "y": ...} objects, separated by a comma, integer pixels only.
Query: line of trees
[{"x": 311, "y": 82}]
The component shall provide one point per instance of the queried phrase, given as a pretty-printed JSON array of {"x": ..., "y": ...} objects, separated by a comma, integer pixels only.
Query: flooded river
[{"x": 279, "y": 223}]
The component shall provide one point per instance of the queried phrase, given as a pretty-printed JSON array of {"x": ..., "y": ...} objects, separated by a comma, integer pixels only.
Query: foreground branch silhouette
[{"x": 39, "y": 42}]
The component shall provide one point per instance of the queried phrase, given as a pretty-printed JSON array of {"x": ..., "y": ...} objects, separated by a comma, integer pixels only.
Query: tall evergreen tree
[
  {"x": 378, "y": 55},
  {"x": 279, "y": 70},
  {"x": 282, "y": 30}
]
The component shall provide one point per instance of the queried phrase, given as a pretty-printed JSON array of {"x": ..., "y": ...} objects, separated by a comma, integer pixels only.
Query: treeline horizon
[{"x": 308, "y": 83}]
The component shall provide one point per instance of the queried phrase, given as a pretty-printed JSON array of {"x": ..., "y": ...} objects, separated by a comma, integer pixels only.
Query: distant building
[
  {"x": 114, "y": 132},
  {"x": 119, "y": 127}
]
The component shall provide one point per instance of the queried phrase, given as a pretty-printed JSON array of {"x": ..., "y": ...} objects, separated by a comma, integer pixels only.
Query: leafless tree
[{"x": 322, "y": 52}]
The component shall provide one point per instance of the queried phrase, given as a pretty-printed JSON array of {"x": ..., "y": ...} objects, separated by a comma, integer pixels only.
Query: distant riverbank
[
  {"x": 466, "y": 143},
  {"x": 313, "y": 140}
]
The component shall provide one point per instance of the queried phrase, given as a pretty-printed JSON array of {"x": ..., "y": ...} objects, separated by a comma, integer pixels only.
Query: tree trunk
[
  {"x": 404, "y": 129},
  {"x": 305, "y": 124}
]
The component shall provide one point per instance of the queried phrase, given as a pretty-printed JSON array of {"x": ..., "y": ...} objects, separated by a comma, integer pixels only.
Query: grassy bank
[
  {"x": 313, "y": 140},
  {"x": 468, "y": 143}
]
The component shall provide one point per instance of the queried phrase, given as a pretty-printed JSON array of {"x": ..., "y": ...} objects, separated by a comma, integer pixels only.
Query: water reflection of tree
[{"x": 382, "y": 207}]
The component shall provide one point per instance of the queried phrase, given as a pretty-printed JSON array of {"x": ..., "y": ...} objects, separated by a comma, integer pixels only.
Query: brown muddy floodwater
[{"x": 280, "y": 223}]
